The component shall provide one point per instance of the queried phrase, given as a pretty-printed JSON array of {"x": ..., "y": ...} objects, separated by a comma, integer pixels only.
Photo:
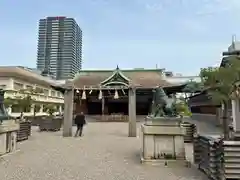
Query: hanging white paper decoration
[
  {"x": 77, "y": 91},
  {"x": 84, "y": 95},
  {"x": 116, "y": 94},
  {"x": 100, "y": 94}
]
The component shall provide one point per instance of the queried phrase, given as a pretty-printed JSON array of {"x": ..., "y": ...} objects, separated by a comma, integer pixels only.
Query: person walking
[{"x": 80, "y": 122}]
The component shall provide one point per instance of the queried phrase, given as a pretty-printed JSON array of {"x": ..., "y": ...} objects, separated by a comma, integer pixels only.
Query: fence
[
  {"x": 24, "y": 131},
  {"x": 217, "y": 158}
]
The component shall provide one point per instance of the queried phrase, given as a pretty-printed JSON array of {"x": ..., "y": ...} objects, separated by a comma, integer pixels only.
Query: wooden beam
[
  {"x": 102, "y": 88},
  {"x": 111, "y": 88}
]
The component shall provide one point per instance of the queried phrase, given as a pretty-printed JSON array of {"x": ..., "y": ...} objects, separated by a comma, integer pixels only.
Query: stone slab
[
  {"x": 161, "y": 141},
  {"x": 166, "y": 162},
  {"x": 8, "y": 127},
  {"x": 163, "y": 121},
  {"x": 162, "y": 130},
  {"x": 3, "y": 143}
]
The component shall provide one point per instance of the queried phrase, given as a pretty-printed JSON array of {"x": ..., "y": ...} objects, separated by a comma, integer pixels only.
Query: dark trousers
[{"x": 79, "y": 130}]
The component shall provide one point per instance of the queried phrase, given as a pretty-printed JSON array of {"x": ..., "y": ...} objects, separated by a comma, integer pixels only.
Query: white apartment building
[{"x": 14, "y": 78}]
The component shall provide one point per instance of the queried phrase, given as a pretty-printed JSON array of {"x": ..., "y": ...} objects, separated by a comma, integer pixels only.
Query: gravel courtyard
[{"x": 103, "y": 153}]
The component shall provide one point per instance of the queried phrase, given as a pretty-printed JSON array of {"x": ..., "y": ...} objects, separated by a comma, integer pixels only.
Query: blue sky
[{"x": 179, "y": 35}]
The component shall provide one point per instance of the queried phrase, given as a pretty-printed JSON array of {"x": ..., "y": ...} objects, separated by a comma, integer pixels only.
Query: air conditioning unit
[{"x": 11, "y": 141}]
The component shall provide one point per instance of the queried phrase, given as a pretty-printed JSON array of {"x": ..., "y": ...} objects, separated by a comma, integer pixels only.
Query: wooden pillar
[
  {"x": 103, "y": 105},
  {"x": 132, "y": 127},
  {"x": 68, "y": 113}
]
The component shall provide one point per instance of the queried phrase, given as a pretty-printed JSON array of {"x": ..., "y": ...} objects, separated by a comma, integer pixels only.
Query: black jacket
[{"x": 80, "y": 119}]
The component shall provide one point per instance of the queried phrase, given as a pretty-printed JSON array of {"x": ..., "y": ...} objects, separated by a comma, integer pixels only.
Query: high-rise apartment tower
[{"x": 59, "y": 47}]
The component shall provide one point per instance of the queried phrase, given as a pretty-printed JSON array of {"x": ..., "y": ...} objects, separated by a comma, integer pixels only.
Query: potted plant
[
  {"x": 50, "y": 123},
  {"x": 51, "y": 109},
  {"x": 25, "y": 104},
  {"x": 189, "y": 128}
]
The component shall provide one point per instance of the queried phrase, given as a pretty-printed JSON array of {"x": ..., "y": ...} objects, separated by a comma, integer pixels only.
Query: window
[
  {"x": 45, "y": 108},
  {"x": 16, "y": 108},
  {"x": 37, "y": 108},
  {"x": 28, "y": 87},
  {"x": 27, "y": 109},
  {"x": 45, "y": 92},
  {"x": 53, "y": 93},
  {"x": 17, "y": 86},
  {"x": 39, "y": 90},
  {"x": 3, "y": 86}
]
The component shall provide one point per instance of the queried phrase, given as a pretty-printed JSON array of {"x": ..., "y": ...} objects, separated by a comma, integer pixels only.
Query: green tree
[
  {"x": 221, "y": 86},
  {"x": 182, "y": 108},
  {"x": 8, "y": 102},
  {"x": 192, "y": 87},
  {"x": 25, "y": 99},
  {"x": 51, "y": 109}
]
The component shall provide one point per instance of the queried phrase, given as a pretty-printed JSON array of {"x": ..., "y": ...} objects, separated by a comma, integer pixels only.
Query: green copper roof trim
[
  {"x": 83, "y": 72},
  {"x": 116, "y": 82},
  {"x": 114, "y": 74}
]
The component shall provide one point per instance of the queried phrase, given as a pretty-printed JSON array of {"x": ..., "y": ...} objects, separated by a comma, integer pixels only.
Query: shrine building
[{"x": 106, "y": 92}]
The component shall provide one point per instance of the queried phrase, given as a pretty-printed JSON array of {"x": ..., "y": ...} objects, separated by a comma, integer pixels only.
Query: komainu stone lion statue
[{"x": 162, "y": 105}]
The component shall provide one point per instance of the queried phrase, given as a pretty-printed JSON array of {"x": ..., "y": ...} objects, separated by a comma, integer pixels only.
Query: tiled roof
[
  {"x": 146, "y": 78},
  {"x": 31, "y": 76}
]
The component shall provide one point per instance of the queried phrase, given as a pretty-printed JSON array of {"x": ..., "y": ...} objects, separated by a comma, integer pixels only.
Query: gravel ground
[{"x": 103, "y": 153}]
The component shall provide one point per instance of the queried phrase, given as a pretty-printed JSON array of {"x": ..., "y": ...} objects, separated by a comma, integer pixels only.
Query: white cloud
[
  {"x": 193, "y": 25},
  {"x": 201, "y": 7},
  {"x": 212, "y": 7},
  {"x": 153, "y": 7}
]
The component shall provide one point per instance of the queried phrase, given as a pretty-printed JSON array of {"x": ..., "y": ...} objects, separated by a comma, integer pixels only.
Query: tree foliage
[
  {"x": 182, "y": 108},
  {"x": 221, "y": 82},
  {"x": 51, "y": 109},
  {"x": 193, "y": 87},
  {"x": 8, "y": 102},
  {"x": 222, "y": 85},
  {"x": 24, "y": 99}
]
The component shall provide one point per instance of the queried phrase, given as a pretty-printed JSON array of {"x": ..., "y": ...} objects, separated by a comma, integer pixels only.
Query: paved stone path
[{"x": 104, "y": 153}]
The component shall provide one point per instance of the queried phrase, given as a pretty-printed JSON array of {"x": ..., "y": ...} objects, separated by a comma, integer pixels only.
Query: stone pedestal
[
  {"x": 163, "y": 142},
  {"x": 8, "y": 136}
]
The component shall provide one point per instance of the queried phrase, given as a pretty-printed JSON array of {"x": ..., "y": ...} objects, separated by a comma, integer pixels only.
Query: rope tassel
[
  {"x": 84, "y": 95},
  {"x": 100, "y": 94},
  {"x": 116, "y": 95}
]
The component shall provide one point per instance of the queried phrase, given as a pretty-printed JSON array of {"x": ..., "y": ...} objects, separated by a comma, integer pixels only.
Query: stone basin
[
  {"x": 8, "y": 126},
  {"x": 162, "y": 121}
]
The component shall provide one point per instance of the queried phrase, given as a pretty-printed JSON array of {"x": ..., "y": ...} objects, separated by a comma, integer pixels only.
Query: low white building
[
  {"x": 182, "y": 79},
  {"x": 14, "y": 78},
  {"x": 179, "y": 79}
]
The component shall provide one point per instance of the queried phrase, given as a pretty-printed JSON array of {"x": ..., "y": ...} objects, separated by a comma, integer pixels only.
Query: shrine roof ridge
[{"x": 123, "y": 70}]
